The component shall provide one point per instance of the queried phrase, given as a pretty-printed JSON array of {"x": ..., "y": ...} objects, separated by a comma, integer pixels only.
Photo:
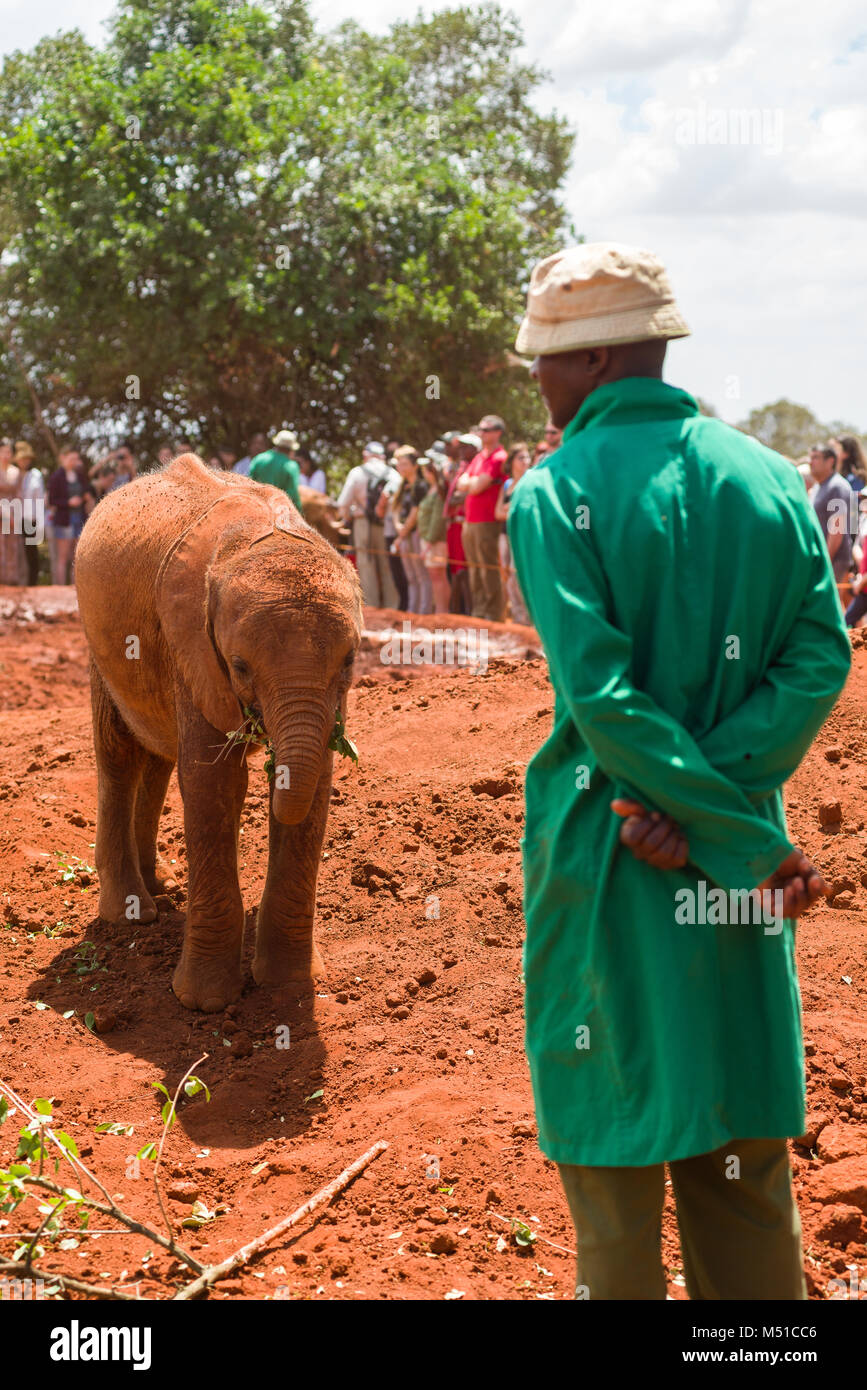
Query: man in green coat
[
  {"x": 277, "y": 467},
  {"x": 678, "y": 578}
]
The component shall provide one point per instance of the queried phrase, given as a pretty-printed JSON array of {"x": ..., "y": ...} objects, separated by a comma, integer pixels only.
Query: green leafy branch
[
  {"x": 250, "y": 733},
  {"x": 339, "y": 743},
  {"x": 25, "y": 1178}
]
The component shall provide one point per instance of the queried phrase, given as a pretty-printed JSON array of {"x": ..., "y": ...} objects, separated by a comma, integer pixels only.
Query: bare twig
[{"x": 246, "y": 1252}]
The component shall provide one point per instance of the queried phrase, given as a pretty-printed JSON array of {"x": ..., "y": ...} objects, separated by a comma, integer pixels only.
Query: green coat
[
  {"x": 678, "y": 579},
  {"x": 280, "y": 471}
]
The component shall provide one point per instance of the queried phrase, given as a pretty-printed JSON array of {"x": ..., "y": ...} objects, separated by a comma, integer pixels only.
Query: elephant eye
[
  {"x": 349, "y": 661},
  {"x": 240, "y": 666}
]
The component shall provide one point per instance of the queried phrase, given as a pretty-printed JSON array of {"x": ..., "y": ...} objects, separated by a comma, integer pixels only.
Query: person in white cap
[
  {"x": 680, "y": 584},
  {"x": 278, "y": 468},
  {"x": 365, "y": 501}
]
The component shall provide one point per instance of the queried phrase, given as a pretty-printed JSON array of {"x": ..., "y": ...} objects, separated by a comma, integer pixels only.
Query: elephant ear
[{"x": 182, "y": 598}]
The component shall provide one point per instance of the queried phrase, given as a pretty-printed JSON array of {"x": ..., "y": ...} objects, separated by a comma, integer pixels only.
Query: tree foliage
[
  {"x": 789, "y": 428},
  {"x": 251, "y": 224}
]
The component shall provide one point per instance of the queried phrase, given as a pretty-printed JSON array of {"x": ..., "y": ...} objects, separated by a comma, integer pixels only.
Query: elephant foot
[
  {"x": 206, "y": 984},
  {"x": 276, "y": 966},
  {"x": 161, "y": 878},
  {"x": 126, "y": 905}
]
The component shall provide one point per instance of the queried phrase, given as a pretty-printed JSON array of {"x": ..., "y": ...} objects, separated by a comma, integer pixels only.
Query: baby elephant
[{"x": 207, "y": 602}]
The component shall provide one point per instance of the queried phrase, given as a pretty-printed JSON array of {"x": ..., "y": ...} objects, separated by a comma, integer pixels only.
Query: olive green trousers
[{"x": 740, "y": 1231}]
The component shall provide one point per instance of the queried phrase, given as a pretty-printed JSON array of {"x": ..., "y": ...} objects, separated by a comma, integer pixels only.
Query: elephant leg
[
  {"x": 285, "y": 949},
  {"x": 213, "y": 784},
  {"x": 120, "y": 758},
  {"x": 156, "y": 872}
]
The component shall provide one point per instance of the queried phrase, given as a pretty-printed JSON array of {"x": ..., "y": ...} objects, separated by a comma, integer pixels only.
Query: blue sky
[{"x": 728, "y": 135}]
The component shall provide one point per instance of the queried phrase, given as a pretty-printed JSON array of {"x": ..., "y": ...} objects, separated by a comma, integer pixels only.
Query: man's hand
[
  {"x": 800, "y": 882},
  {"x": 652, "y": 837}
]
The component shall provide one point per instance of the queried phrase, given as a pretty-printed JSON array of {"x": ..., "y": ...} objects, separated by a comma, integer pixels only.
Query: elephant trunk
[{"x": 299, "y": 728}]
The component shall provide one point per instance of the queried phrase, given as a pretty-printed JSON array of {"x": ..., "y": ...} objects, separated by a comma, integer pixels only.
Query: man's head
[
  {"x": 69, "y": 457},
  {"x": 125, "y": 457},
  {"x": 373, "y": 450},
  {"x": 553, "y": 436},
  {"x": 258, "y": 444},
  {"x": 405, "y": 460},
  {"x": 823, "y": 462},
  {"x": 566, "y": 379},
  {"x": 596, "y": 313},
  {"x": 491, "y": 429},
  {"x": 469, "y": 445},
  {"x": 452, "y": 441},
  {"x": 285, "y": 442}
]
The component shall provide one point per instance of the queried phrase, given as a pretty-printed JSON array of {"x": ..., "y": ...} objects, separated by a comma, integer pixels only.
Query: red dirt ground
[{"x": 430, "y": 821}]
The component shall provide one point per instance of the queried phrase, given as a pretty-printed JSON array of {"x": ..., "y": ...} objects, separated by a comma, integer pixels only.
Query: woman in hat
[{"x": 11, "y": 538}]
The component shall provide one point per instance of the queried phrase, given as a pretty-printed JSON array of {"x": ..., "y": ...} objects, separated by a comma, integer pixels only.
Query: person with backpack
[{"x": 363, "y": 502}]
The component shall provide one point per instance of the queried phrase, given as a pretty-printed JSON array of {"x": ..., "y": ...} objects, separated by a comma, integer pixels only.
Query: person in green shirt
[
  {"x": 680, "y": 584},
  {"x": 277, "y": 468}
]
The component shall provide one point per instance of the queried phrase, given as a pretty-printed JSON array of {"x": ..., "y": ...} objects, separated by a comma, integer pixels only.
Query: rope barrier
[{"x": 463, "y": 564}]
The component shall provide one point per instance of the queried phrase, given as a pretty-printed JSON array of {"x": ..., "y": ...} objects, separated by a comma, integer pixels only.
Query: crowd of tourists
[{"x": 427, "y": 530}]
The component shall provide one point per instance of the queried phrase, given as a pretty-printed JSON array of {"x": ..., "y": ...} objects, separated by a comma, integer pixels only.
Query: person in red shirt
[
  {"x": 480, "y": 484},
  {"x": 461, "y": 450}
]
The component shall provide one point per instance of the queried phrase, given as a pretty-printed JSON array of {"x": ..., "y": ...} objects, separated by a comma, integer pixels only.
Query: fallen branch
[
  {"x": 110, "y": 1207},
  {"x": 95, "y": 1290},
  {"x": 246, "y": 1252},
  {"x": 129, "y": 1221}
]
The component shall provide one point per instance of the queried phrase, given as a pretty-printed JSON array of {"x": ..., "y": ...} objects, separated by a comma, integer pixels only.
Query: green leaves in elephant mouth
[
  {"x": 252, "y": 731},
  {"x": 339, "y": 743}
]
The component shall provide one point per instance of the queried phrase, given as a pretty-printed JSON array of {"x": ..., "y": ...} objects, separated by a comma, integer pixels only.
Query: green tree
[
  {"x": 785, "y": 426},
  {"x": 223, "y": 221}
]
